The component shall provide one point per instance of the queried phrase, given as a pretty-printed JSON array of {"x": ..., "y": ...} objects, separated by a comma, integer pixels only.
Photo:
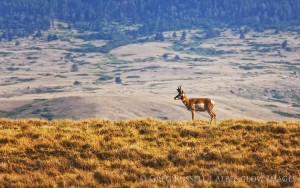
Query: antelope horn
[{"x": 179, "y": 88}]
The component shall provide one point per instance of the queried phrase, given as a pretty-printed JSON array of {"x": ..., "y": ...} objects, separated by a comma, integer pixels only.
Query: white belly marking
[{"x": 200, "y": 107}]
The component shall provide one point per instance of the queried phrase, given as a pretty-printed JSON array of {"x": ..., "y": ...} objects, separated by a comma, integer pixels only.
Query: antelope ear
[{"x": 182, "y": 91}]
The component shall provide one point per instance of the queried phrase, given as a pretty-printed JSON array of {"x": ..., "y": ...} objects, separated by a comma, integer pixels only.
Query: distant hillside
[
  {"x": 148, "y": 152},
  {"x": 24, "y": 17}
]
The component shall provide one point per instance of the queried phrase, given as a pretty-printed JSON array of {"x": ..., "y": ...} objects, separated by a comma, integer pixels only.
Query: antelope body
[{"x": 197, "y": 104}]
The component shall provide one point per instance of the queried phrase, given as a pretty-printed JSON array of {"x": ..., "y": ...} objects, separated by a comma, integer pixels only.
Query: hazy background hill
[{"x": 124, "y": 59}]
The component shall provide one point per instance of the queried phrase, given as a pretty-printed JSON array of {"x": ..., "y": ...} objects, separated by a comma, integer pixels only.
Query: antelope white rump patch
[{"x": 213, "y": 102}]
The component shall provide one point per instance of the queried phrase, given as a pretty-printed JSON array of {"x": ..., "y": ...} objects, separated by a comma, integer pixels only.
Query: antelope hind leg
[{"x": 211, "y": 114}]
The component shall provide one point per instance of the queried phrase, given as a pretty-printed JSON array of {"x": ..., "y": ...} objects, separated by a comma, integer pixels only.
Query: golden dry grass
[{"x": 148, "y": 153}]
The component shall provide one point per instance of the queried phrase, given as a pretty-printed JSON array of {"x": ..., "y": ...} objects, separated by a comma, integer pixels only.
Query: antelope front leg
[{"x": 193, "y": 115}]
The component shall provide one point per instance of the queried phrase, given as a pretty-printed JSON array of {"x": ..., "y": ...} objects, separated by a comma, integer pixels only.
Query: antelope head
[{"x": 180, "y": 94}]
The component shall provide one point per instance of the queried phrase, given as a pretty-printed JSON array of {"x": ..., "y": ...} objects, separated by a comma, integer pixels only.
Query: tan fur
[{"x": 191, "y": 104}]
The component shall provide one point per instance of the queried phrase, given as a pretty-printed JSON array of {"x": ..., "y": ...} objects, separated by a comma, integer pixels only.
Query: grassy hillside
[{"x": 144, "y": 152}]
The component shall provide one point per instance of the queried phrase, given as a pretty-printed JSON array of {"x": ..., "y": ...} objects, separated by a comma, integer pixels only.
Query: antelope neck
[{"x": 185, "y": 101}]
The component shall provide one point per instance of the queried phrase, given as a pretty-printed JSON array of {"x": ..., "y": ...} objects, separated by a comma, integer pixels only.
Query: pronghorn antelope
[{"x": 197, "y": 104}]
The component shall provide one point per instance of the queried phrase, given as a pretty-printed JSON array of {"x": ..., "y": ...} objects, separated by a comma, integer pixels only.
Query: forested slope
[{"x": 24, "y": 17}]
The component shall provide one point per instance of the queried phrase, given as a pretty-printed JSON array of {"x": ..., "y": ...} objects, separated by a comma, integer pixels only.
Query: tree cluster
[{"x": 25, "y": 17}]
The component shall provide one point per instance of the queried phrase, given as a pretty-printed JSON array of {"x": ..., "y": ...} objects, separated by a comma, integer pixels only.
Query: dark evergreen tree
[
  {"x": 183, "y": 36},
  {"x": 159, "y": 36},
  {"x": 174, "y": 35},
  {"x": 284, "y": 45},
  {"x": 165, "y": 56},
  {"x": 211, "y": 33},
  {"x": 52, "y": 37},
  {"x": 242, "y": 35},
  {"x": 38, "y": 34}
]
